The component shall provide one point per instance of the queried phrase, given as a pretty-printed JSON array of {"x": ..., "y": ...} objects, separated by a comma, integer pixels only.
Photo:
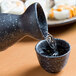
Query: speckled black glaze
[
  {"x": 53, "y": 64},
  {"x": 9, "y": 30},
  {"x": 14, "y": 27}
]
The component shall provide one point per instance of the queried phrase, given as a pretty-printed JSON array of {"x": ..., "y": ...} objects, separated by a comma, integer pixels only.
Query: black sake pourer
[
  {"x": 53, "y": 64},
  {"x": 15, "y": 27}
]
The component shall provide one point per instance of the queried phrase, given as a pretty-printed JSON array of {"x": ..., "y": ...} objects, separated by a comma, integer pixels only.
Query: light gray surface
[{"x": 54, "y": 23}]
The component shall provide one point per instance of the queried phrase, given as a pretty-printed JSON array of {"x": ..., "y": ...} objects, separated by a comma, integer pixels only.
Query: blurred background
[{"x": 21, "y": 60}]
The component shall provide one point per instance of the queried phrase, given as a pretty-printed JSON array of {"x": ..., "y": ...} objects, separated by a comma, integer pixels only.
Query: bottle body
[
  {"x": 14, "y": 27},
  {"x": 10, "y": 32}
]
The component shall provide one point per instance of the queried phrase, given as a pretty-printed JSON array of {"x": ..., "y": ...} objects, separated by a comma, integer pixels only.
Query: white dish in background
[{"x": 54, "y": 23}]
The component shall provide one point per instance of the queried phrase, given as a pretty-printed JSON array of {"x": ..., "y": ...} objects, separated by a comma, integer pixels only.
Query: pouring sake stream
[{"x": 14, "y": 27}]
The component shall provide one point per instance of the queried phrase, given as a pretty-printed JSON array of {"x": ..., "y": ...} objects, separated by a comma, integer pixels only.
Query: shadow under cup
[{"x": 53, "y": 64}]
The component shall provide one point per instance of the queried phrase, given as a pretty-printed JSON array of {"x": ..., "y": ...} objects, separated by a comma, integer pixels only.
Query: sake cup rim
[{"x": 53, "y": 56}]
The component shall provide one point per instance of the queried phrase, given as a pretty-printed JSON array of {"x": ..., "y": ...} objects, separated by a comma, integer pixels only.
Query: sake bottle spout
[{"x": 33, "y": 22}]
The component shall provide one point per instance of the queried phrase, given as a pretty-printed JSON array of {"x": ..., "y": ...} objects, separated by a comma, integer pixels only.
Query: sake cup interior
[
  {"x": 62, "y": 46},
  {"x": 53, "y": 63}
]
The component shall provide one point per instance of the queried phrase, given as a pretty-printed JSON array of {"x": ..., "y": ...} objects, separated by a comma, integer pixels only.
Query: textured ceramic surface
[
  {"x": 51, "y": 63},
  {"x": 14, "y": 27}
]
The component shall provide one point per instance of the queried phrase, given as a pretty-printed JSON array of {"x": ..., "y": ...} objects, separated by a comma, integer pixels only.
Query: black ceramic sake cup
[{"x": 53, "y": 64}]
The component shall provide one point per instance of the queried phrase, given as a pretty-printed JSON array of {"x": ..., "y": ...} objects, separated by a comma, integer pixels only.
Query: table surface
[{"x": 21, "y": 59}]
